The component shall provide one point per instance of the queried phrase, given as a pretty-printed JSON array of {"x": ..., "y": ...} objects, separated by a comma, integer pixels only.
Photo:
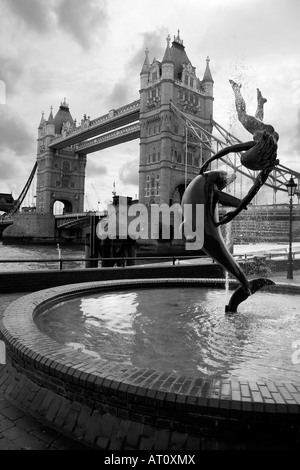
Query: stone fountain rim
[{"x": 37, "y": 352}]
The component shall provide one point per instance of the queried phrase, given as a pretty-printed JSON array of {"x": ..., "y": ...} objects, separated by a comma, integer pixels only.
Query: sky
[{"x": 91, "y": 53}]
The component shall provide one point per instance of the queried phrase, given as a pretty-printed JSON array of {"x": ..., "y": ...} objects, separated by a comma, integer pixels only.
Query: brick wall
[{"x": 35, "y": 280}]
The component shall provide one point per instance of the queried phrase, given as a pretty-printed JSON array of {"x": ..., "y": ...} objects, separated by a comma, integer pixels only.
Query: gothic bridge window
[
  {"x": 153, "y": 156},
  {"x": 66, "y": 167},
  {"x": 157, "y": 185},
  {"x": 148, "y": 185},
  {"x": 152, "y": 185},
  {"x": 153, "y": 92},
  {"x": 65, "y": 182},
  {"x": 153, "y": 130},
  {"x": 153, "y": 96}
]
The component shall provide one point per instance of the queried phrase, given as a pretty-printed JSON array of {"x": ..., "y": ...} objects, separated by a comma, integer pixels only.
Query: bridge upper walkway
[{"x": 114, "y": 119}]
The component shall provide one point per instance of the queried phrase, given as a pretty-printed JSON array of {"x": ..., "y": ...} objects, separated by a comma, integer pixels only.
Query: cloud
[
  {"x": 78, "y": 18},
  {"x": 14, "y": 133},
  {"x": 13, "y": 172},
  {"x": 34, "y": 13},
  {"x": 95, "y": 169},
  {"x": 126, "y": 90},
  {"x": 11, "y": 72},
  {"x": 294, "y": 143},
  {"x": 120, "y": 95},
  {"x": 256, "y": 29},
  {"x": 128, "y": 173},
  {"x": 152, "y": 41},
  {"x": 82, "y": 18},
  {"x": 8, "y": 168}
]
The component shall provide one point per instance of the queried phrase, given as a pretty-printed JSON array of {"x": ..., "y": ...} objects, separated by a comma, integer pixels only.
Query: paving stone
[
  {"x": 133, "y": 433},
  {"x": 45, "y": 434},
  {"x": 53, "y": 409},
  {"x": 28, "y": 442},
  {"x": 27, "y": 422},
  {"x": 4, "y": 403},
  {"x": 63, "y": 443},
  {"x": 71, "y": 419},
  {"x": 12, "y": 412},
  {"x": 146, "y": 443},
  {"x": 6, "y": 444},
  {"x": 193, "y": 443},
  {"x": 102, "y": 442},
  {"x": 6, "y": 423},
  {"x": 93, "y": 427},
  {"x": 14, "y": 432},
  {"x": 119, "y": 436},
  {"x": 62, "y": 413}
]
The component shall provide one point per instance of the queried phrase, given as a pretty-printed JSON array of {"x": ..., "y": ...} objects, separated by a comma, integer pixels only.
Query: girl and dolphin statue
[{"x": 207, "y": 189}]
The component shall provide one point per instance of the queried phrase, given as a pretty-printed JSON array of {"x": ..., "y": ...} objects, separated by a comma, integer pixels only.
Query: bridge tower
[
  {"x": 60, "y": 173},
  {"x": 170, "y": 156}
]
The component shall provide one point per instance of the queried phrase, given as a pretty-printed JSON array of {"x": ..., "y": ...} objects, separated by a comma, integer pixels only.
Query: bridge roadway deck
[{"x": 119, "y": 136}]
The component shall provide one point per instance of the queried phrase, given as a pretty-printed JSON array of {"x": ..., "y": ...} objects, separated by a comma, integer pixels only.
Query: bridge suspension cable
[
  {"x": 213, "y": 143},
  {"x": 24, "y": 191},
  {"x": 18, "y": 202}
]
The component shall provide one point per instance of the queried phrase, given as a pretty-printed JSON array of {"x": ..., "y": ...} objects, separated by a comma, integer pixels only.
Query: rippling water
[
  {"x": 32, "y": 252},
  {"x": 183, "y": 330}
]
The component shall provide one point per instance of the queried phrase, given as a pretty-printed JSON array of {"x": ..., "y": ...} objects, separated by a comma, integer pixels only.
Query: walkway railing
[{"x": 123, "y": 261}]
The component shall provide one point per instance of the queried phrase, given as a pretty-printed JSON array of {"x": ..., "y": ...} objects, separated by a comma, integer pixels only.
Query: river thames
[
  {"x": 51, "y": 252},
  {"x": 42, "y": 252}
]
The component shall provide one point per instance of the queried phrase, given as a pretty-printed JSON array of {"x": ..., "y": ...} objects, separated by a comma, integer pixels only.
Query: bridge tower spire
[{"x": 170, "y": 156}]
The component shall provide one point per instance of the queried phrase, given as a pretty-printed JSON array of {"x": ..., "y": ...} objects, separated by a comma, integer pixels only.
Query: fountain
[{"x": 171, "y": 372}]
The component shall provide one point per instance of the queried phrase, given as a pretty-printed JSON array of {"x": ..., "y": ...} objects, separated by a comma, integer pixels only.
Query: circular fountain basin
[
  {"x": 115, "y": 399},
  {"x": 183, "y": 330}
]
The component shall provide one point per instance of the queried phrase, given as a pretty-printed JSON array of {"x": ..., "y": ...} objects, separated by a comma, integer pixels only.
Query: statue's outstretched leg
[
  {"x": 252, "y": 124},
  {"x": 260, "y": 106},
  {"x": 240, "y": 103},
  {"x": 249, "y": 122}
]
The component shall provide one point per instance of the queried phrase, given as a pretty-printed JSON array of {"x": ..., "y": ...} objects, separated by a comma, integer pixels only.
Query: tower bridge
[{"x": 173, "y": 120}]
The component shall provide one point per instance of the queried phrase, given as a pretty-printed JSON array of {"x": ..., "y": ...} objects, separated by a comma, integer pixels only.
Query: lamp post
[{"x": 291, "y": 188}]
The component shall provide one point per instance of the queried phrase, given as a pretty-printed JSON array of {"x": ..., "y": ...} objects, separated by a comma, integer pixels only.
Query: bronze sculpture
[{"x": 259, "y": 154}]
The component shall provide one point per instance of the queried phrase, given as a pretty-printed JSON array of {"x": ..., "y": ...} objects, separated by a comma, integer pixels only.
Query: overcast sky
[{"x": 92, "y": 52}]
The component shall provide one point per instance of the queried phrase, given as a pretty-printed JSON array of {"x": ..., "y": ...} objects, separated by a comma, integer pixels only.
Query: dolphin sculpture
[{"x": 206, "y": 189}]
